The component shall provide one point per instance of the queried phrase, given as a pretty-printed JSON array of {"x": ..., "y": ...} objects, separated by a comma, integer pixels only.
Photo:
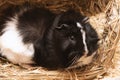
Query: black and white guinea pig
[{"x": 32, "y": 35}]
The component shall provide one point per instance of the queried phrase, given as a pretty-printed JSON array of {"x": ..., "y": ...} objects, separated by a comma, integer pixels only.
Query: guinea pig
[{"x": 33, "y": 35}]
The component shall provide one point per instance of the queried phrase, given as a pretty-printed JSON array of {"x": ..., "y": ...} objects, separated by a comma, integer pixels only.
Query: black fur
[
  {"x": 56, "y": 37},
  {"x": 53, "y": 45}
]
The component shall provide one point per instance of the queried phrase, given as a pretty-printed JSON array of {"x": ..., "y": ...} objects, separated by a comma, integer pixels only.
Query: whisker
[{"x": 74, "y": 61}]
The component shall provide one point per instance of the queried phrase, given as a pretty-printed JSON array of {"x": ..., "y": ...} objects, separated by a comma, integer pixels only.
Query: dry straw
[{"x": 105, "y": 18}]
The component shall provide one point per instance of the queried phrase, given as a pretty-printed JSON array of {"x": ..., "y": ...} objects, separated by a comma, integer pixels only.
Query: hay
[{"x": 105, "y": 18}]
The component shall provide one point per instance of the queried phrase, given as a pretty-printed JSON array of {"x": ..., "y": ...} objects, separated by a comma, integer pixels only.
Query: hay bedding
[{"x": 105, "y": 18}]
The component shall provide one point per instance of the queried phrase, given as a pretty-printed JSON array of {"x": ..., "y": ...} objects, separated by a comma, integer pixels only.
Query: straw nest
[{"x": 105, "y": 18}]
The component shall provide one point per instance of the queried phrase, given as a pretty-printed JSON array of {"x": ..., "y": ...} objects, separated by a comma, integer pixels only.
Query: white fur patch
[
  {"x": 84, "y": 37},
  {"x": 12, "y": 47},
  {"x": 84, "y": 60}
]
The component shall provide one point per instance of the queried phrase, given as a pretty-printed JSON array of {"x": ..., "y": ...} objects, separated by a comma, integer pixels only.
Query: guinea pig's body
[{"x": 32, "y": 35}]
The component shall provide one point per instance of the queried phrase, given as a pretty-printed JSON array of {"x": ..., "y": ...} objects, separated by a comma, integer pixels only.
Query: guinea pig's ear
[
  {"x": 56, "y": 23},
  {"x": 62, "y": 26}
]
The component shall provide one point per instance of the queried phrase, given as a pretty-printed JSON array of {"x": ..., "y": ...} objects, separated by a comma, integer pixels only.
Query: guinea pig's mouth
[{"x": 82, "y": 61}]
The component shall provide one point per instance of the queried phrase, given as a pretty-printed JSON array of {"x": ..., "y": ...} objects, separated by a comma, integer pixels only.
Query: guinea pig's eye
[{"x": 72, "y": 37}]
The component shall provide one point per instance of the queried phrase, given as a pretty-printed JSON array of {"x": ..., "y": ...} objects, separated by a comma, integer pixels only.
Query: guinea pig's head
[{"x": 73, "y": 39}]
